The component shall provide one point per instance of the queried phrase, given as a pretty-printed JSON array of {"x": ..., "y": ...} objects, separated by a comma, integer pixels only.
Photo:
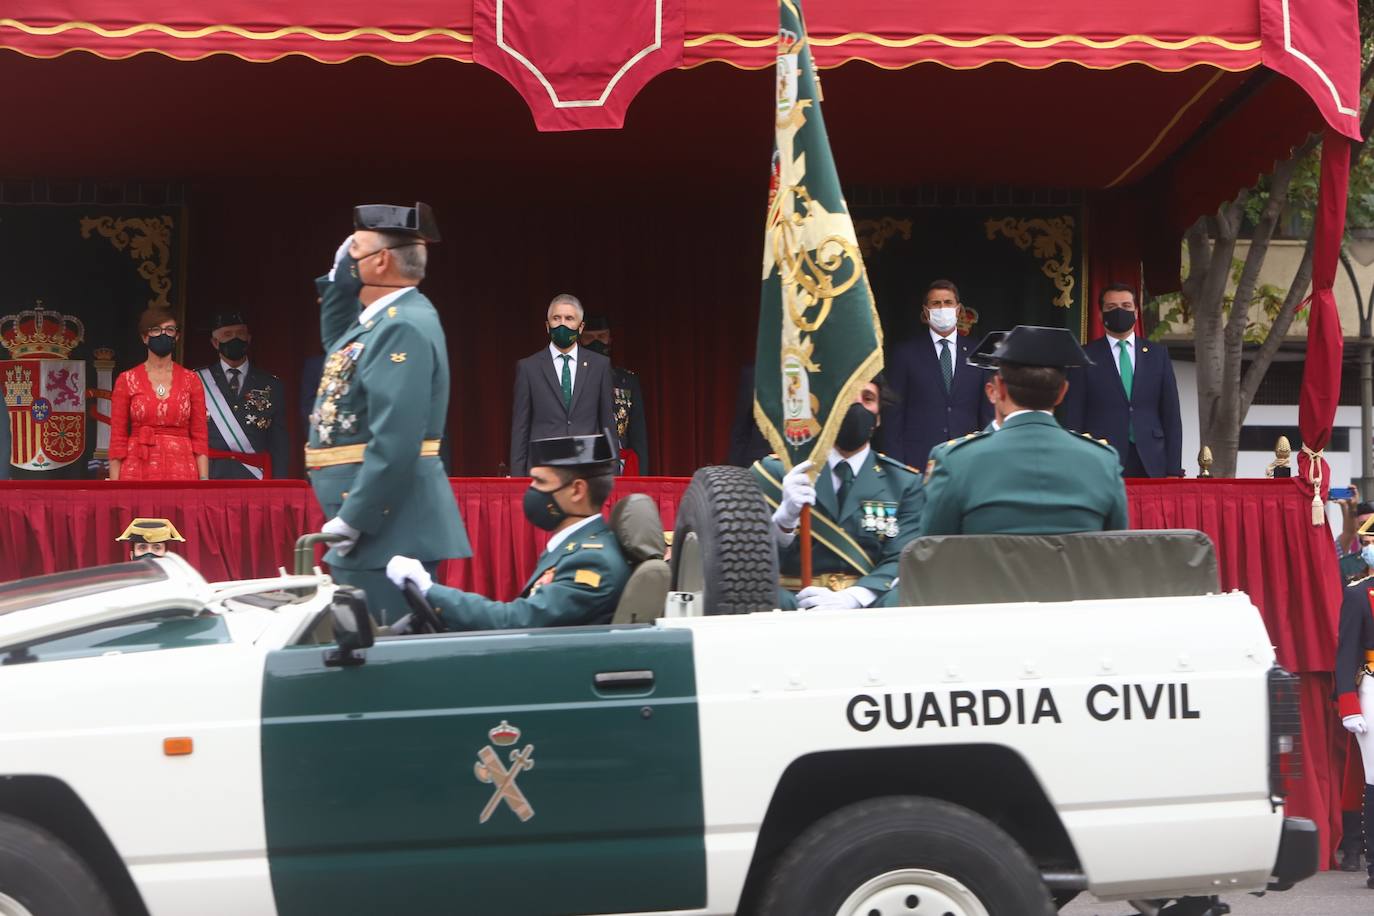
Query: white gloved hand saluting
[
  {"x": 401, "y": 570},
  {"x": 338, "y": 256},
  {"x": 1355, "y": 724},
  {"x": 337, "y": 525},
  {"x": 797, "y": 491},
  {"x": 817, "y": 598}
]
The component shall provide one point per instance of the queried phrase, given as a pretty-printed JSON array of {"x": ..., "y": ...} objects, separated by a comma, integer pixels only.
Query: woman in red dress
[{"x": 157, "y": 412}]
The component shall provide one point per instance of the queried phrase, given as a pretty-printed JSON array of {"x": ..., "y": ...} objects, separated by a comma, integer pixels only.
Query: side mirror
[{"x": 352, "y": 628}]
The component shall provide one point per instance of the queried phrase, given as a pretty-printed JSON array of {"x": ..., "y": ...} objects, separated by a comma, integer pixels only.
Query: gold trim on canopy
[
  {"x": 240, "y": 31},
  {"x": 1030, "y": 43},
  {"x": 1164, "y": 132}
]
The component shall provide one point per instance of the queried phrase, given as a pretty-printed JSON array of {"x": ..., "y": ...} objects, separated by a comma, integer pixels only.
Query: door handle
[{"x": 623, "y": 680}]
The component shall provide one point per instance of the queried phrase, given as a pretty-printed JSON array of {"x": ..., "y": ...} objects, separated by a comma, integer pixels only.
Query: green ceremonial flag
[{"x": 819, "y": 337}]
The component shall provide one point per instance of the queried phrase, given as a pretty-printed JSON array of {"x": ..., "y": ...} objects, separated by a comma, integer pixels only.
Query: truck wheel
[
  {"x": 41, "y": 876},
  {"x": 722, "y": 545},
  {"x": 905, "y": 857}
]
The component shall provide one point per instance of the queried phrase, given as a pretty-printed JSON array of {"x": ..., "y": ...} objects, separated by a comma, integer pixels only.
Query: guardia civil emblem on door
[
  {"x": 45, "y": 393},
  {"x": 490, "y": 769}
]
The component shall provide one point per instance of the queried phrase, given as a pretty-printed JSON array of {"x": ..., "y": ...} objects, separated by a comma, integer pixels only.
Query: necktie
[
  {"x": 567, "y": 380},
  {"x": 846, "y": 475},
  {"x": 1127, "y": 375},
  {"x": 234, "y": 381},
  {"x": 946, "y": 363}
]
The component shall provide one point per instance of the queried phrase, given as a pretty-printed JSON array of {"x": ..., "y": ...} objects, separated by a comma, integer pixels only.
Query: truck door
[{"x": 521, "y": 772}]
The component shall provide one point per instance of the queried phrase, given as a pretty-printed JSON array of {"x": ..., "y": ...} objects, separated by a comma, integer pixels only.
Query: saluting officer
[
  {"x": 581, "y": 573},
  {"x": 373, "y": 456},
  {"x": 1354, "y": 683},
  {"x": 865, "y": 508},
  {"x": 246, "y": 406},
  {"x": 1032, "y": 476}
]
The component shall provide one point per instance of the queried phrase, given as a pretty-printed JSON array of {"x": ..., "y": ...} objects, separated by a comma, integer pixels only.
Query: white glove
[
  {"x": 1355, "y": 724},
  {"x": 337, "y": 525},
  {"x": 338, "y": 256},
  {"x": 797, "y": 491},
  {"x": 817, "y": 597},
  {"x": 401, "y": 570}
]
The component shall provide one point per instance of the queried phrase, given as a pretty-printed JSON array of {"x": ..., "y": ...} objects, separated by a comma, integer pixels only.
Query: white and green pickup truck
[{"x": 176, "y": 748}]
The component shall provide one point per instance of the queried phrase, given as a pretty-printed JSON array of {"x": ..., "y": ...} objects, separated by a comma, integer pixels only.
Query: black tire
[
  {"x": 839, "y": 854},
  {"x": 723, "y": 545},
  {"x": 45, "y": 876}
]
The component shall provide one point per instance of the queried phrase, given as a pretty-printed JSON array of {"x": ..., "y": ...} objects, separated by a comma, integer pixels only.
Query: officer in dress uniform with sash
[
  {"x": 865, "y": 508},
  {"x": 1032, "y": 476},
  {"x": 581, "y": 573},
  {"x": 1354, "y": 681},
  {"x": 246, "y": 407},
  {"x": 380, "y": 408}
]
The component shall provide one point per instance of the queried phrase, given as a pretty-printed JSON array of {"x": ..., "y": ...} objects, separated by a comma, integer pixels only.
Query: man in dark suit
[
  {"x": 246, "y": 407},
  {"x": 938, "y": 395},
  {"x": 561, "y": 389},
  {"x": 1129, "y": 396}
]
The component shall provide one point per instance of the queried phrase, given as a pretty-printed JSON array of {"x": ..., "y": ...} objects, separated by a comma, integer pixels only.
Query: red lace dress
[{"x": 158, "y": 438}]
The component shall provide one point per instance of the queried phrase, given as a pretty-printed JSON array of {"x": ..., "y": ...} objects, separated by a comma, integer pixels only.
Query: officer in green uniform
[
  {"x": 373, "y": 456},
  {"x": 582, "y": 571},
  {"x": 981, "y": 358},
  {"x": 1032, "y": 476},
  {"x": 865, "y": 508},
  {"x": 628, "y": 406}
]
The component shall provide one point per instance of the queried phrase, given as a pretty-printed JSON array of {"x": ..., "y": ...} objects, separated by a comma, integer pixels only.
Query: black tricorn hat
[
  {"x": 225, "y": 319},
  {"x": 572, "y": 451},
  {"x": 596, "y": 322},
  {"x": 1036, "y": 346},
  {"x": 417, "y": 221},
  {"x": 981, "y": 357}
]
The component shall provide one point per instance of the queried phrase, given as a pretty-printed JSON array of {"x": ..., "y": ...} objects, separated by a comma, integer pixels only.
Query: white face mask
[
  {"x": 943, "y": 320},
  {"x": 1367, "y": 555}
]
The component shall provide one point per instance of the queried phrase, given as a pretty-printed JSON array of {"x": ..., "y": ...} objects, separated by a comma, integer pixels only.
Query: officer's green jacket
[
  {"x": 386, "y": 384},
  {"x": 1031, "y": 477},
  {"x": 885, "y": 492},
  {"x": 577, "y": 583}
]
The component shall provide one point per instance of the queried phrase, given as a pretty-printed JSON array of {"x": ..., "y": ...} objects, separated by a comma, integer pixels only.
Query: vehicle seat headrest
[{"x": 639, "y": 528}]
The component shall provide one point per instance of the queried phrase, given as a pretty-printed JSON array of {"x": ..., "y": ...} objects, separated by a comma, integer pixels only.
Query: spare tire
[{"x": 723, "y": 543}]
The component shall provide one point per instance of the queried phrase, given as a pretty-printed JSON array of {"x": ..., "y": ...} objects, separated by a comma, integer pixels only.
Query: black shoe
[
  {"x": 1369, "y": 883},
  {"x": 1350, "y": 861}
]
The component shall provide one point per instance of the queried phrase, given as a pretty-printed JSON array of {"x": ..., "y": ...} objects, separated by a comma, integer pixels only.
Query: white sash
[{"x": 223, "y": 417}]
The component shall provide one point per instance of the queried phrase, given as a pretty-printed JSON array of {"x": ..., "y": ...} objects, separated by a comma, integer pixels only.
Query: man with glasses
[
  {"x": 373, "y": 457},
  {"x": 1129, "y": 396},
  {"x": 246, "y": 406}
]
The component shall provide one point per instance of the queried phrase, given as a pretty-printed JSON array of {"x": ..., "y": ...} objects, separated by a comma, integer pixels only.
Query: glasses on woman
[{"x": 158, "y": 332}]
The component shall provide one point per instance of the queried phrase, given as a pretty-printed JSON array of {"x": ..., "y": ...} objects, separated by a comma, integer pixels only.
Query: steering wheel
[{"x": 429, "y": 621}]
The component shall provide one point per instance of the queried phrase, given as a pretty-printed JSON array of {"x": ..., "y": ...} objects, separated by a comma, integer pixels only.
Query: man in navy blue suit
[
  {"x": 939, "y": 396},
  {"x": 1129, "y": 396}
]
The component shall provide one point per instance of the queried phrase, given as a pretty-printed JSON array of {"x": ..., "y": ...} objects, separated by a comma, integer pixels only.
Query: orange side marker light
[{"x": 177, "y": 747}]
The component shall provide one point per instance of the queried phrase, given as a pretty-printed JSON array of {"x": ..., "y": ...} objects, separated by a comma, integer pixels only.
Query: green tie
[
  {"x": 567, "y": 380},
  {"x": 946, "y": 363},
  {"x": 1127, "y": 373},
  {"x": 846, "y": 475}
]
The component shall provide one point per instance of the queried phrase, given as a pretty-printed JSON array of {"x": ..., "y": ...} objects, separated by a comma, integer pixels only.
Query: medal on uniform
[
  {"x": 890, "y": 529},
  {"x": 870, "y": 522}
]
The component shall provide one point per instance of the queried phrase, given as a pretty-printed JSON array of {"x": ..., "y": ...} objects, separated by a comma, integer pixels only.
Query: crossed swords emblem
[{"x": 489, "y": 769}]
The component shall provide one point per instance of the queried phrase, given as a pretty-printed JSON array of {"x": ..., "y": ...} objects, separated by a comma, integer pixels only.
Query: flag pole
[{"x": 804, "y": 532}]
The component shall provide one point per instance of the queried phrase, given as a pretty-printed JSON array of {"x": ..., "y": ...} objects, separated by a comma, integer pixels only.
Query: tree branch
[
  {"x": 1279, "y": 186},
  {"x": 1297, "y": 294}
]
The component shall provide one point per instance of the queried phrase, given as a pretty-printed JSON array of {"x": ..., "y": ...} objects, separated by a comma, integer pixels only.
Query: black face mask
[
  {"x": 542, "y": 510},
  {"x": 236, "y": 348},
  {"x": 856, "y": 428},
  {"x": 1118, "y": 321},
  {"x": 598, "y": 346},
  {"x": 161, "y": 345}
]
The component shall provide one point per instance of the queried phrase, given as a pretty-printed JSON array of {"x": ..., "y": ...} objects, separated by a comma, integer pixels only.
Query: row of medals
[{"x": 880, "y": 520}]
